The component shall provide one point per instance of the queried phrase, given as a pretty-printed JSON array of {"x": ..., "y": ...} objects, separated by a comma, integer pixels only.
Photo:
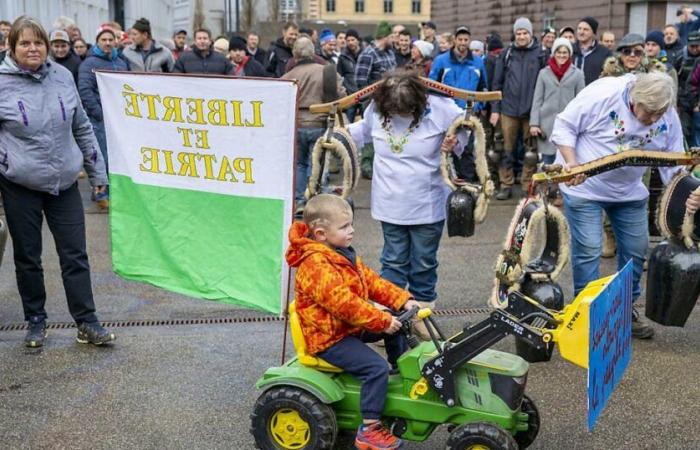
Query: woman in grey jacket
[
  {"x": 41, "y": 119},
  {"x": 557, "y": 84}
]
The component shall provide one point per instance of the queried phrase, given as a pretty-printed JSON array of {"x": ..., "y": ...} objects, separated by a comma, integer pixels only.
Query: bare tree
[
  {"x": 199, "y": 15},
  {"x": 248, "y": 18},
  {"x": 275, "y": 10}
]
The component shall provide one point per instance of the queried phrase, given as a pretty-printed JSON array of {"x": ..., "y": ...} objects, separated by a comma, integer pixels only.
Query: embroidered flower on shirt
[{"x": 626, "y": 143}]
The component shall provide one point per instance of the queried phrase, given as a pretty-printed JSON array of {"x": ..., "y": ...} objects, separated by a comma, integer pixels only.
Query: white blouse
[{"x": 407, "y": 188}]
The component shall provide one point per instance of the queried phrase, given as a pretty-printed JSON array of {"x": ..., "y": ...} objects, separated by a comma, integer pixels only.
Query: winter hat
[
  {"x": 523, "y": 23},
  {"x": 476, "y": 45},
  {"x": 104, "y": 29},
  {"x": 558, "y": 42},
  {"x": 630, "y": 40},
  {"x": 326, "y": 36},
  {"x": 59, "y": 35},
  {"x": 143, "y": 25},
  {"x": 352, "y": 33},
  {"x": 383, "y": 30},
  {"x": 237, "y": 43},
  {"x": 591, "y": 22},
  {"x": 694, "y": 38},
  {"x": 567, "y": 28},
  {"x": 655, "y": 36},
  {"x": 494, "y": 42},
  {"x": 424, "y": 47}
]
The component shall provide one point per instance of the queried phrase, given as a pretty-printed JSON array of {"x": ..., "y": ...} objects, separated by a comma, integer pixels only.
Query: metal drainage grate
[{"x": 213, "y": 321}]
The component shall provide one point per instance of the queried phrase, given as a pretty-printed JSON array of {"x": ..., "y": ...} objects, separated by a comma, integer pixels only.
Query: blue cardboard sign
[{"x": 610, "y": 335}]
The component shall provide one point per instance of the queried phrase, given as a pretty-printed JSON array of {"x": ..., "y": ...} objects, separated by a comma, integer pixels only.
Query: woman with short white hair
[{"x": 612, "y": 115}]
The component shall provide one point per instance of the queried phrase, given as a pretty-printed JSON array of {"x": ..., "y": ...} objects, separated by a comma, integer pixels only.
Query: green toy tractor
[{"x": 479, "y": 393}]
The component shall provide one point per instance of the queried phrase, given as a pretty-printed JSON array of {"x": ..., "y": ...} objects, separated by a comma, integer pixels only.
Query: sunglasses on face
[{"x": 632, "y": 52}]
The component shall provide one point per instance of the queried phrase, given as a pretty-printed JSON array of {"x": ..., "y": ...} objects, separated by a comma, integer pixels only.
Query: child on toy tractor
[{"x": 332, "y": 294}]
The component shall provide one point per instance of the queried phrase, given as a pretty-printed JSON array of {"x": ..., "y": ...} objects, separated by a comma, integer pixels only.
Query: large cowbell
[
  {"x": 460, "y": 213},
  {"x": 550, "y": 295},
  {"x": 673, "y": 283}
]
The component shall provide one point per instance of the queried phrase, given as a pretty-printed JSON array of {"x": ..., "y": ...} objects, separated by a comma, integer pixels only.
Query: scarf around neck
[{"x": 558, "y": 70}]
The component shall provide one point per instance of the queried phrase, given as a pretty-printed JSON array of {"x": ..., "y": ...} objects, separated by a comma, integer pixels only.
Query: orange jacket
[{"x": 332, "y": 296}]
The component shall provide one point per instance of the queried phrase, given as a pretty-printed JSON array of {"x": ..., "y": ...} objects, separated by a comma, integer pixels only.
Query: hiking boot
[
  {"x": 94, "y": 333},
  {"x": 504, "y": 193},
  {"x": 640, "y": 328},
  {"x": 609, "y": 246},
  {"x": 36, "y": 336},
  {"x": 376, "y": 436}
]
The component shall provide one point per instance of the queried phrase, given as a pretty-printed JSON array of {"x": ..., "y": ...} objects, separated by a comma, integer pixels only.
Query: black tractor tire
[
  {"x": 319, "y": 416},
  {"x": 526, "y": 438},
  {"x": 485, "y": 434}
]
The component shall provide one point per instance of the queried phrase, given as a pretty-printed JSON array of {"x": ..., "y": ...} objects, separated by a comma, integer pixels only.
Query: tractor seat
[{"x": 300, "y": 345}]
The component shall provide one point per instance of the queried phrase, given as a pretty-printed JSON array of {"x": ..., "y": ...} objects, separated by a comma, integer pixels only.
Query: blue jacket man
[{"x": 460, "y": 68}]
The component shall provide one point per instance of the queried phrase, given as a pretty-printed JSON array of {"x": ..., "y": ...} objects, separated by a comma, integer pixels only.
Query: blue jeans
[
  {"x": 629, "y": 223},
  {"x": 409, "y": 257},
  {"x": 99, "y": 130},
  {"x": 356, "y": 358},
  {"x": 306, "y": 138},
  {"x": 549, "y": 159}
]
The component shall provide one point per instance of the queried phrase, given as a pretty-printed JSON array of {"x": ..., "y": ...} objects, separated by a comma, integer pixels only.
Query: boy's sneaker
[
  {"x": 640, "y": 328},
  {"x": 37, "y": 332},
  {"x": 94, "y": 333},
  {"x": 376, "y": 437},
  {"x": 102, "y": 199}
]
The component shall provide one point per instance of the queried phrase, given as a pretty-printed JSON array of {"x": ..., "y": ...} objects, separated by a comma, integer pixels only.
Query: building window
[
  {"x": 548, "y": 20},
  {"x": 330, "y": 5},
  {"x": 388, "y": 6},
  {"x": 415, "y": 6},
  {"x": 359, "y": 6}
]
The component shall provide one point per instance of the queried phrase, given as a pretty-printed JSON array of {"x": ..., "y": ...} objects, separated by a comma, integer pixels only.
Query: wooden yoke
[
  {"x": 432, "y": 86},
  {"x": 555, "y": 173}
]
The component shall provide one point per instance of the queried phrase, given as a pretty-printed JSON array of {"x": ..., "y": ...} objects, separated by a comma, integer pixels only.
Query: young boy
[{"x": 333, "y": 291}]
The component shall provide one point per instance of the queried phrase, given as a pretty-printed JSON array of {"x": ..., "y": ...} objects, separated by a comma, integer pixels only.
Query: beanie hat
[
  {"x": 476, "y": 45},
  {"x": 655, "y": 36},
  {"x": 494, "y": 42},
  {"x": 424, "y": 47},
  {"x": 104, "y": 29},
  {"x": 383, "y": 30},
  {"x": 558, "y": 42},
  {"x": 142, "y": 25},
  {"x": 523, "y": 23},
  {"x": 326, "y": 36},
  {"x": 237, "y": 43},
  {"x": 694, "y": 38},
  {"x": 591, "y": 22},
  {"x": 630, "y": 40},
  {"x": 352, "y": 33}
]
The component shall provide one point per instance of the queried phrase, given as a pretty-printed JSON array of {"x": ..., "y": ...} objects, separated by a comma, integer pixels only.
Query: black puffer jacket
[
  {"x": 195, "y": 62},
  {"x": 346, "y": 69},
  {"x": 278, "y": 55},
  {"x": 591, "y": 64},
  {"x": 516, "y": 75}
]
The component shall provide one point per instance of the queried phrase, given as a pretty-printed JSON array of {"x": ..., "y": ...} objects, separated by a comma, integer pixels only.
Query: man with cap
[
  {"x": 102, "y": 55},
  {"x": 568, "y": 33},
  {"x": 653, "y": 47},
  {"x": 60, "y": 53},
  {"x": 375, "y": 60},
  {"x": 687, "y": 91},
  {"x": 145, "y": 54},
  {"x": 327, "y": 46},
  {"x": 516, "y": 75},
  {"x": 253, "y": 48},
  {"x": 180, "y": 43},
  {"x": 549, "y": 34},
  {"x": 244, "y": 65},
  {"x": 402, "y": 49},
  {"x": 429, "y": 29},
  {"x": 202, "y": 58},
  {"x": 589, "y": 56},
  {"x": 281, "y": 50}
]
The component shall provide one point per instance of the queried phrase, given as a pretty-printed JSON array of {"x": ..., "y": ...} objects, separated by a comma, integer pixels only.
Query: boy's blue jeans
[
  {"x": 629, "y": 223},
  {"x": 409, "y": 257},
  {"x": 356, "y": 358}
]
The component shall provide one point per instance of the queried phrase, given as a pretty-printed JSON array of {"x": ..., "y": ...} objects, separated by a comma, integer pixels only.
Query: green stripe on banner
[{"x": 221, "y": 247}]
